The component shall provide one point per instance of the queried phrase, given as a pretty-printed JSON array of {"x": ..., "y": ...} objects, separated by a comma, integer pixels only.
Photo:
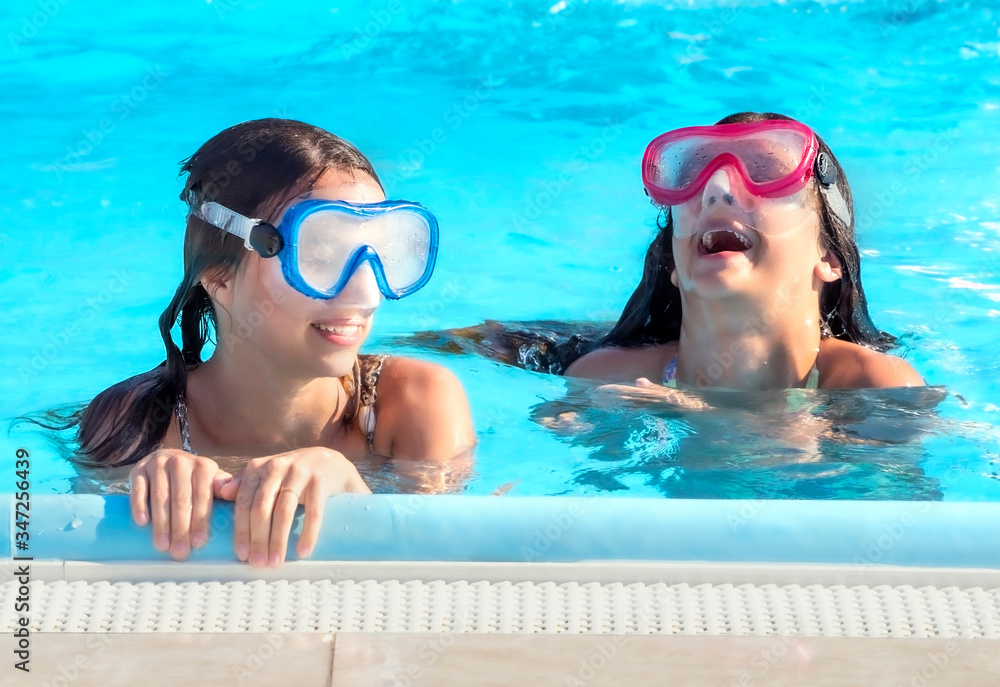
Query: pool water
[{"x": 522, "y": 124}]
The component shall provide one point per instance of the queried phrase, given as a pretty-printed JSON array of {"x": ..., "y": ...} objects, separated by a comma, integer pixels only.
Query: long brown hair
[{"x": 254, "y": 168}]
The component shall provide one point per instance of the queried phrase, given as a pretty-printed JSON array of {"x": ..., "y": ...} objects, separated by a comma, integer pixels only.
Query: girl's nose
[
  {"x": 717, "y": 190},
  {"x": 723, "y": 189},
  {"x": 361, "y": 290}
]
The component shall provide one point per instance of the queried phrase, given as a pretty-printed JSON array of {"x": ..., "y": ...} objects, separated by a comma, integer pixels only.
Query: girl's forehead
[
  {"x": 352, "y": 192},
  {"x": 346, "y": 185}
]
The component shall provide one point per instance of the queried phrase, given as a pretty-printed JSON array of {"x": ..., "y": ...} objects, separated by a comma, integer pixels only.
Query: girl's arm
[
  {"x": 422, "y": 418},
  {"x": 422, "y": 412},
  {"x": 624, "y": 364},
  {"x": 846, "y": 365}
]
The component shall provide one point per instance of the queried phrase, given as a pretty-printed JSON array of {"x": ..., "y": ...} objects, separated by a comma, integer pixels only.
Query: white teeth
[
  {"x": 708, "y": 238},
  {"x": 339, "y": 331}
]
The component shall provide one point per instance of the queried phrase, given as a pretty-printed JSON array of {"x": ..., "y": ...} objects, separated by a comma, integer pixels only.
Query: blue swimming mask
[{"x": 321, "y": 243}]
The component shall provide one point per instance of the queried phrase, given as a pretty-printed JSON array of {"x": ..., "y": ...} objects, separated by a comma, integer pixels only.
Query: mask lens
[
  {"x": 325, "y": 243},
  {"x": 764, "y": 156},
  {"x": 330, "y": 239},
  {"x": 771, "y": 155},
  {"x": 402, "y": 239}
]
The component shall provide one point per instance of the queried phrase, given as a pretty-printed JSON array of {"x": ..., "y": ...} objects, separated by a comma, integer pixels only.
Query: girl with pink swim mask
[{"x": 753, "y": 281}]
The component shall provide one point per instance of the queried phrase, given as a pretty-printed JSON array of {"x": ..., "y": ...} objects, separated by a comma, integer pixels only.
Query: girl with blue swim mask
[
  {"x": 753, "y": 281},
  {"x": 290, "y": 248}
]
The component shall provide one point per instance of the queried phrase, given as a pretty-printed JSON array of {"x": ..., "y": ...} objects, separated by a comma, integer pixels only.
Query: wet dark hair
[
  {"x": 653, "y": 313},
  {"x": 254, "y": 168}
]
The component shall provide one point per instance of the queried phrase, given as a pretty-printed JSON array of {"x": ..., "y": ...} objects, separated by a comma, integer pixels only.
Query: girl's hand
[
  {"x": 645, "y": 390},
  {"x": 270, "y": 489},
  {"x": 174, "y": 489}
]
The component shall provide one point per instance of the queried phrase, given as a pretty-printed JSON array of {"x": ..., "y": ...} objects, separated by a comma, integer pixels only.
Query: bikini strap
[
  {"x": 670, "y": 373},
  {"x": 370, "y": 369},
  {"x": 812, "y": 379},
  {"x": 182, "y": 422}
]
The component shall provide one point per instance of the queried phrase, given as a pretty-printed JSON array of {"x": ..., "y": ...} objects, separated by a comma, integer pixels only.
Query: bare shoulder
[
  {"x": 422, "y": 411},
  {"x": 846, "y": 365},
  {"x": 624, "y": 364}
]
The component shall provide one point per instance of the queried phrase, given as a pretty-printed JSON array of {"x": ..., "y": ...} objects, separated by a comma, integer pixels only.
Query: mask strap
[
  {"x": 835, "y": 199},
  {"x": 826, "y": 175},
  {"x": 228, "y": 220}
]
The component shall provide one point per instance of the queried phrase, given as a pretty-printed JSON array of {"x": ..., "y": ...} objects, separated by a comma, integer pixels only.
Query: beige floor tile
[
  {"x": 174, "y": 660},
  {"x": 641, "y": 661}
]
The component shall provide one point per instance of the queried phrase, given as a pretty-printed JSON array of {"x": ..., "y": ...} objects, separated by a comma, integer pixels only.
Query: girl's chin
[{"x": 340, "y": 364}]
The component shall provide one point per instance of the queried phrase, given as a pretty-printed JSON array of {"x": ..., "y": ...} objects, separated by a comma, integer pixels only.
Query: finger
[
  {"x": 219, "y": 483},
  {"x": 260, "y": 520},
  {"x": 315, "y": 502},
  {"x": 159, "y": 512},
  {"x": 285, "y": 505},
  {"x": 180, "y": 511},
  {"x": 201, "y": 504},
  {"x": 243, "y": 501},
  {"x": 138, "y": 492},
  {"x": 230, "y": 489}
]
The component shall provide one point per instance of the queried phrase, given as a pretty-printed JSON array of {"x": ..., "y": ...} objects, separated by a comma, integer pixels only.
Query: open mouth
[{"x": 716, "y": 241}]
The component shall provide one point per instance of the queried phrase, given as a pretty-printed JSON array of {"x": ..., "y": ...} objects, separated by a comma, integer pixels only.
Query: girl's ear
[
  {"x": 673, "y": 277},
  {"x": 828, "y": 267},
  {"x": 218, "y": 286}
]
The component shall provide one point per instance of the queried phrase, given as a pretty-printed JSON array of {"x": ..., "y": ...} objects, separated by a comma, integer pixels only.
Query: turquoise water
[{"x": 522, "y": 124}]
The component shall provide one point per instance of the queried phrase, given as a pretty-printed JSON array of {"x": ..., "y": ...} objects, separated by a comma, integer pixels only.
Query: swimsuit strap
[
  {"x": 812, "y": 380},
  {"x": 182, "y": 421},
  {"x": 670, "y": 373},
  {"x": 371, "y": 368}
]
